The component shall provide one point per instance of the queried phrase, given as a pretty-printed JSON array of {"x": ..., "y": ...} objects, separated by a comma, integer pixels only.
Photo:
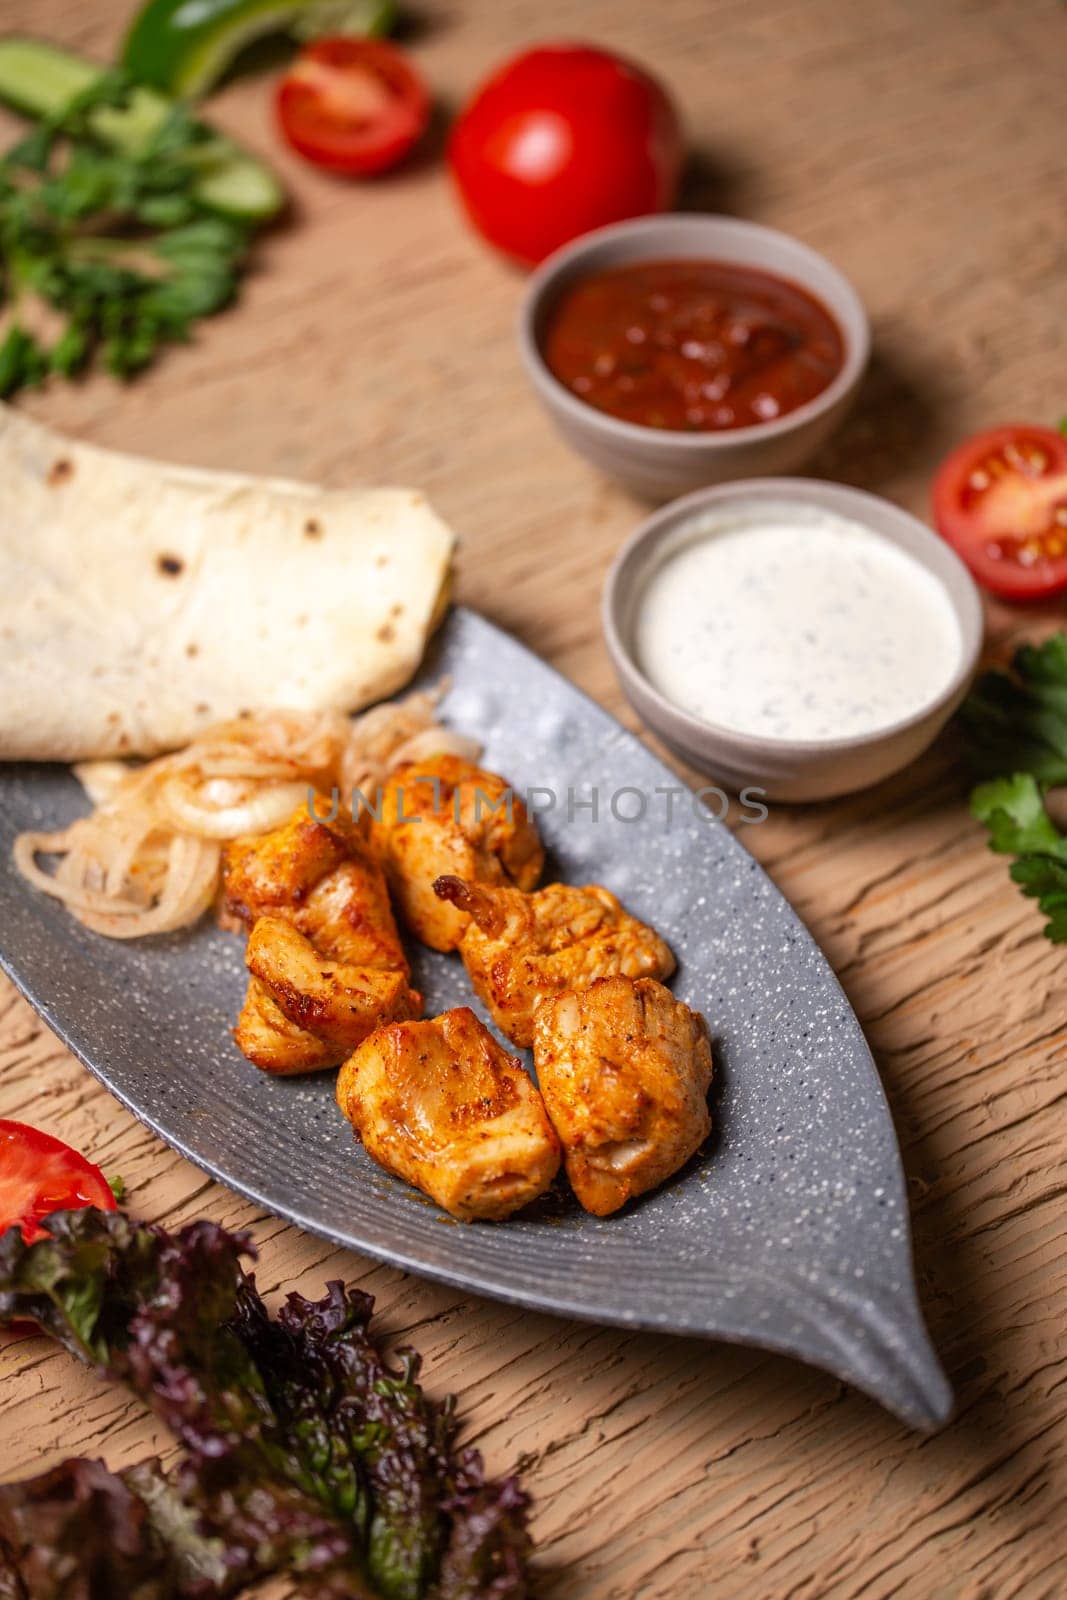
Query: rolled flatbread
[{"x": 140, "y": 602}]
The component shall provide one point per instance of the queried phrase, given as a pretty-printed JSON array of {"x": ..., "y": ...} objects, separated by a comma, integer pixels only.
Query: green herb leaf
[
  {"x": 68, "y": 356},
  {"x": 33, "y": 150},
  {"x": 20, "y": 361},
  {"x": 1017, "y": 721},
  {"x": 114, "y": 241},
  {"x": 1013, "y": 809},
  {"x": 1014, "y": 812}
]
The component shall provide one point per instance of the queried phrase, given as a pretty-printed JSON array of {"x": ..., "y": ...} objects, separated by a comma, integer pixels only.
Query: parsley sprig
[{"x": 111, "y": 248}]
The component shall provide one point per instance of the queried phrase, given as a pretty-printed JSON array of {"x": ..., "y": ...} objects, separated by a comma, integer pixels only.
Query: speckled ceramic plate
[{"x": 789, "y": 1231}]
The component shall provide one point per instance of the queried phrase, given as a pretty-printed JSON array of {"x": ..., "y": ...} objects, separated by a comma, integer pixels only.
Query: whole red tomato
[{"x": 560, "y": 140}]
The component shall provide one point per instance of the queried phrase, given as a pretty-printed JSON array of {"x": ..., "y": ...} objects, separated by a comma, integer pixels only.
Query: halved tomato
[
  {"x": 353, "y": 106},
  {"x": 39, "y": 1175},
  {"x": 1000, "y": 500}
]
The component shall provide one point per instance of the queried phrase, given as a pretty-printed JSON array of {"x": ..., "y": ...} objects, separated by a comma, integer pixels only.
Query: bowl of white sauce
[{"x": 801, "y": 638}]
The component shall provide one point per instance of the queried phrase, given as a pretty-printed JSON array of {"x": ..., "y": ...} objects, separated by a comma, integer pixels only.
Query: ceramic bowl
[
  {"x": 659, "y": 463},
  {"x": 784, "y": 769}
]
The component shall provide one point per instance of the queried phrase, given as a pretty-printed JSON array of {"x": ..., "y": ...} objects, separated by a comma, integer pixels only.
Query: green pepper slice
[{"x": 184, "y": 46}]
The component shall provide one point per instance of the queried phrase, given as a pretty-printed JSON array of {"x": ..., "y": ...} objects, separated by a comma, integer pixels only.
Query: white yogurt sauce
[{"x": 789, "y": 622}]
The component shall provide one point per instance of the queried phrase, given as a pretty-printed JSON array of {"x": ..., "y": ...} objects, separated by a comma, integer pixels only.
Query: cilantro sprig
[
  {"x": 109, "y": 249},
  {"x": 1016, "y": 721},
  {"x": 1016, "y": 724},
  {"x": 1013, "y": 809}
]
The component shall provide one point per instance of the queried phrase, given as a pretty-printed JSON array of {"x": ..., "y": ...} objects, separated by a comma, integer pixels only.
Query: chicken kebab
[
  {"x": 623, "y": 1066},
  {"x": 326, "y": 962}
]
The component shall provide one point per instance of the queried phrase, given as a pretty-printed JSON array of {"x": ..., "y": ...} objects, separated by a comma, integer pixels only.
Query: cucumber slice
[
  {"x": 39, "y": 80},
  {"x": 240, "y": 187},
  {"x": 184, "y": 48}
]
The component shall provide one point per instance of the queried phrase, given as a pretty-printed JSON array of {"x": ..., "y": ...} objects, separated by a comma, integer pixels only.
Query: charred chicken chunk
[
  {"x": 322, "y": 878},
  {"x": 445, "y": 815},
  {"x": 442, "y": 1105},
  {"x": 327, "y": 1005},
  {"x": 520, "y": 949},
  {"x": 274, "y": 1043},
  {"x": 624, "y": 1069},
  {"x": 274, "y": 872},
  {"x": 326, "y": 959}
]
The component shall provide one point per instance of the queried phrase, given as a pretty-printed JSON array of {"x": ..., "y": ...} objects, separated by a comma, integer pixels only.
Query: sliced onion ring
[
  {"x": 267, "y": 807},
  {"x": 148, "y": 859}
]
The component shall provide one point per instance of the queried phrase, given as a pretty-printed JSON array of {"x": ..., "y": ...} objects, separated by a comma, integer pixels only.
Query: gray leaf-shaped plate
[{"x": 789, "y": 1231}]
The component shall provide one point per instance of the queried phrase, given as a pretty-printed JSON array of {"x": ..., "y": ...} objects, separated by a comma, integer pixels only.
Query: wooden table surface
[{"x": 921, "y": 146}]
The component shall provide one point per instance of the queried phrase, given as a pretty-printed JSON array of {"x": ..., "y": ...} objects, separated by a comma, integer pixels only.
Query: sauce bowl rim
[
  {"x": 562, "y": 263},
  {"x": 686, "y": 728}
]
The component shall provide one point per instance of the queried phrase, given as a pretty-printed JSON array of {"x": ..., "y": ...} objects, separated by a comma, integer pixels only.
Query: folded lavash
[{"x": 140, "y": 602}]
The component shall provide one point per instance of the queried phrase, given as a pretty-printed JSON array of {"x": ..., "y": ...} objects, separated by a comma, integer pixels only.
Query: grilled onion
[{"x": 148, "y": 858}]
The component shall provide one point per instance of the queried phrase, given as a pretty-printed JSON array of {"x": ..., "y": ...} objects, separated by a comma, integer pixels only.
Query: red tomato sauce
[{"x": 695, "y": 346}]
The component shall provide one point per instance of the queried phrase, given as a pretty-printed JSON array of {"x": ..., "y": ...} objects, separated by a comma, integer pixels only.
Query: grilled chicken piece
[
  {"x": 304, "y": 1011},
  {"x": 521, "y": 948},
  {"x": 624, "y": 1069},
  {"x": 445, "y": 815},
  {"x": 274, "y": 872},
  {"x": 322, "y": 878},
  {"x": 442, "y": 1105},
  {"x": 326, "y": 959},
  {"x": 274, "y": 1044}
]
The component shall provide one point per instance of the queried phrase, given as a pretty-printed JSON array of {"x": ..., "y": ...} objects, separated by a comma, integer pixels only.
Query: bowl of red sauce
[{"x": 679, "y": 351}]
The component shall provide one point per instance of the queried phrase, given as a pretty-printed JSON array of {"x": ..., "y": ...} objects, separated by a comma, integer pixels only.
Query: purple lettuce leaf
[{"x": 305, "y": 1451}]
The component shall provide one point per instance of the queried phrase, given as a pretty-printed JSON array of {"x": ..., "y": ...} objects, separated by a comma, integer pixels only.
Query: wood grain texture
[{"x": 921, "y": 146}]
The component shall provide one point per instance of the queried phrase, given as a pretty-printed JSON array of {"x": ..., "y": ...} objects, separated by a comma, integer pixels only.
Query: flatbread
[{"x": 140, "y": 602}]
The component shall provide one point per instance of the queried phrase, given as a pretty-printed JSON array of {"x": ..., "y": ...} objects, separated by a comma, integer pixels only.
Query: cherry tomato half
[
  {"x": 1000, "y": 500},
  {"x": 560, "y": 140},
  {"x": 353, "y": 106},
  {"x": 39, "y": 1175}
]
